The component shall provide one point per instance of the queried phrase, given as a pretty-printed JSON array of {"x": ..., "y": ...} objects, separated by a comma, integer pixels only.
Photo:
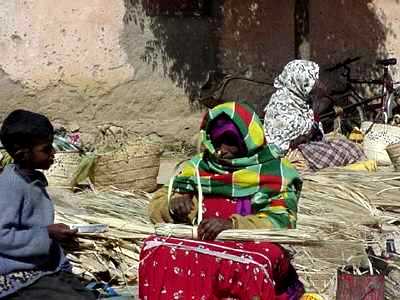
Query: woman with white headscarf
[{"x": 292, "y": 124}]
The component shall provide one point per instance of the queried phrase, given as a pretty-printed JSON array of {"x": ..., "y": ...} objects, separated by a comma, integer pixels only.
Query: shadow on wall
[
  {"x": 256, "y": 40},
  {"x": 345, "y": 29},
  {"x": 180, "y": 47}
]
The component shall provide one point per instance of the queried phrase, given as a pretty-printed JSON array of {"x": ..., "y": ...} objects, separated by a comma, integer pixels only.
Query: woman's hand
[
  {"x": 210, "y": 228},
  {"x": 180, "y": 207},
  {"x": 61, "y": 232},
  {"x": 302, "y": 139}
]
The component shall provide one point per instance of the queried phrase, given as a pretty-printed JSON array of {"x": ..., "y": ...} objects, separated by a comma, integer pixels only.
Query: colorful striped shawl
[{"x": 271, "y": 182}]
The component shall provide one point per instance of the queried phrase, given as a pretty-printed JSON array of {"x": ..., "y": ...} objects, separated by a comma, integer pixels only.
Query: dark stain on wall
[{"x": 183, "y": 47}]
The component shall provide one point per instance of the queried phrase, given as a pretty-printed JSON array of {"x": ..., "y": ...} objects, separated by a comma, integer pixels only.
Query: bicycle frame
[
  {"x": 387, "y": 98},
  {"x": 222, "y": 80}
]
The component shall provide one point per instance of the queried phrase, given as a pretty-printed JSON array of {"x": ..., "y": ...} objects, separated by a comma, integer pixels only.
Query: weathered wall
[
  {"x": 256, "y": 41},
  {"x": 256, "y": 36},
  {"x": 106, "y": 61},
  {"x": 342, "y": 29},
  {"x": 72, "y": 60},
  {"x": 72, "y": 43}
]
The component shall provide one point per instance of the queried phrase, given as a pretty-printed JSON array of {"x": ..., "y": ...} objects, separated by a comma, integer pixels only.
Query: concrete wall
[
  {"x": 100, "y": 61},
  {"x": 256, "y": 40},
  {"x": 43, "y": 44},
  {"x": 106, "y": 61},
  {"x": 342, "y": 29}
]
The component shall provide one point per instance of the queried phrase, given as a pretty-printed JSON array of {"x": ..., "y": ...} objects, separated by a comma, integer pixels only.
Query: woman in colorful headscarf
[
  {"x": 246, "y": 185},
  {"x": 291, "y": 122}
]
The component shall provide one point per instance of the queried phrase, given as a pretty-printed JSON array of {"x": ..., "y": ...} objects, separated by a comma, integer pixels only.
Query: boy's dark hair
[{"x": 24, "y": 129}]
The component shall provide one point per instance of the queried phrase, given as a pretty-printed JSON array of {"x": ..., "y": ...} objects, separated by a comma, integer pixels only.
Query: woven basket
[
  {"x": 61, "y": 172},
  {"x": 394, "y": 154},
  {"x": 377, "y": 138},
  {"x": 134, "y": 166}
]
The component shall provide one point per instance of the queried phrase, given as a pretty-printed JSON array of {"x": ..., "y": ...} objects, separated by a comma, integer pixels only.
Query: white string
[
  {"x": 200, "y": 196},
  {"x": 227, "y": 248},
  {"x": 171, "y": 182}
]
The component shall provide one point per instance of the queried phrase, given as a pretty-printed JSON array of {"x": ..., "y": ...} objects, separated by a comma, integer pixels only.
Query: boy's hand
[
  {"x": 180, "y": 207},
  {"x": 210, "y": 228},
  {"x": 61, "y": 232}
]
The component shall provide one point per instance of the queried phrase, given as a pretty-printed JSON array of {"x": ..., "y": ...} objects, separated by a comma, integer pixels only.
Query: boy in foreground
[{"x": 32, "y": 262}]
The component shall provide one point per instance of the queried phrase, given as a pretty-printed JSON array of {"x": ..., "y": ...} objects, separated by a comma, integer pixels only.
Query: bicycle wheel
[
  {"x": 354, "y": 116},
  {"x": 392, "y": 104}
]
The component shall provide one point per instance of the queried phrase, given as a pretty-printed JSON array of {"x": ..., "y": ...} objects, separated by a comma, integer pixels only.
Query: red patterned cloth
[{"x": 174, "y": 268}]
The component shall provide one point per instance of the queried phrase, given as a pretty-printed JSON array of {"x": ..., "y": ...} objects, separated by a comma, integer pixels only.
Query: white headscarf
[{"x": 288, "y": 113}]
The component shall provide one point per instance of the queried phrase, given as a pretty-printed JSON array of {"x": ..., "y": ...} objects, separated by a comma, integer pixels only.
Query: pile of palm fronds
[
  {"x": 340, "y": 213},
  {"x": 347, "y": 205},
  {"x": 112, "y": 256}
]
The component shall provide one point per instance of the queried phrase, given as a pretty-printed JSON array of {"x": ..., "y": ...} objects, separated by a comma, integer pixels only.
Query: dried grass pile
[
  {"x": 340, "y": 214},
  {"x": 353, "y": 207},
  {"x": 112, "y": 256}
]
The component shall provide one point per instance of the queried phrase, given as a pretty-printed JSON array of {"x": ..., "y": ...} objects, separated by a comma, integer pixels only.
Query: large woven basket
[
  {"x": 377, "y": 138},
  {"x": 131, "y": 167},
  {"x": 61, "y": 172},
  {"x": 394, "y": 154}
]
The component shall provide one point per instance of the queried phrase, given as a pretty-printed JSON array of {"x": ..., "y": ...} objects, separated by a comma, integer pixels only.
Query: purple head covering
[{"x": 223, "y": 129}]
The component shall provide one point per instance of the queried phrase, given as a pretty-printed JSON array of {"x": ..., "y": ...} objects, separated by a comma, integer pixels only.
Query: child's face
[{"x": 42, "y": 155}]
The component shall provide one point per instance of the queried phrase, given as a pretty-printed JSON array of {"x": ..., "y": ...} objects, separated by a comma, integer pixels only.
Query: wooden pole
[{"x": 302, "y": 29}]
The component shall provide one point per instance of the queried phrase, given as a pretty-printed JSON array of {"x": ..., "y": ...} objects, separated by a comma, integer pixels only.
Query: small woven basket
[
  {"x": 133, "y": 166},
  {"x": 394, "y": 154},
  {"x": 377, "y": 138},
  {"x": 61, "y": 172}
]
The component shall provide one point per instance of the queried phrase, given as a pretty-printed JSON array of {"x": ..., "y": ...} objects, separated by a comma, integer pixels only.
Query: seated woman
[
  {"x": 246, "y": 185},
  {"x": 291, "y": 123}
]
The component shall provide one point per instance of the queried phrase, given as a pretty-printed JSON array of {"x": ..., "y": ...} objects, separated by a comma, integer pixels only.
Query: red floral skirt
[{"x": 173, "y": 268}]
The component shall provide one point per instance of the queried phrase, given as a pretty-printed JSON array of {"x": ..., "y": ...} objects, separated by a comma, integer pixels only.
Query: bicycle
[
  {"x": 357, "y": 108},
  {"x": 213, "y": 89}
]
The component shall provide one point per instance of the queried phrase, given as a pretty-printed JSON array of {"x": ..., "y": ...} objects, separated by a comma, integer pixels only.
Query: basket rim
[
  {"x": 159, "y": 151},
  {"x": 68, "y": 152}
]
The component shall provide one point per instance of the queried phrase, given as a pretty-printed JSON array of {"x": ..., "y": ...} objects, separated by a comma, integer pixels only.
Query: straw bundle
[
  {"x": 292, "y": 237},
  {"x": 339, "y": 213},
  {"x": 350, "y": 205},
  {"x": 114, "y": 255}
]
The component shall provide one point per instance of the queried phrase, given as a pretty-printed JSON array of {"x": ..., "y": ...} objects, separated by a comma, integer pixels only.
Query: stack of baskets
[
  {"x": 116, "y": 163},
  {"x": 132, "y": 166},
  {"x": 61, "y": 172},
  {"x": 394, "y": 154}
]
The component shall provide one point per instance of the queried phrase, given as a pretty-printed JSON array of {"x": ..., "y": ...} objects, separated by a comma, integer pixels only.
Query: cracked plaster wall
[{"x": 69, "y": 60}]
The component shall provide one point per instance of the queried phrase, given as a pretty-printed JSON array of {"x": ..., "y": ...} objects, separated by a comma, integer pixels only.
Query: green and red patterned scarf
[{"x": 272, "y": 183}]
